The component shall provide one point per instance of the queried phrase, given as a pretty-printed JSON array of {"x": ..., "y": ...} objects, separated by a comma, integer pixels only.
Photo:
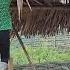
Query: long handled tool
[{"x": 23, "y": 47}]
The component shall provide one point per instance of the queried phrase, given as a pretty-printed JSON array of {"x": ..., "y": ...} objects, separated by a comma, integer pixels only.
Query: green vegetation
[{"x": 39, "y": 54}]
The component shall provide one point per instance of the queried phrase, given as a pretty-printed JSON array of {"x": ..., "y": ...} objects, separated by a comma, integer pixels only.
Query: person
[{"x": 5, "y": 27}]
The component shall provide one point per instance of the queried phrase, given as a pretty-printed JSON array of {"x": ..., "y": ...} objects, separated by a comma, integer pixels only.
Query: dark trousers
[{"x": 5, "y": 45}]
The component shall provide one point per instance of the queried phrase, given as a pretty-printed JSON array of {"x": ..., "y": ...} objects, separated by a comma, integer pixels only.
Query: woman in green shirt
[{"x": 5, "y": 27}]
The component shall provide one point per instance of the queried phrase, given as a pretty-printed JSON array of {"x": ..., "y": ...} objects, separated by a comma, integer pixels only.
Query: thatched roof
[{"x": 45, "y": 18}]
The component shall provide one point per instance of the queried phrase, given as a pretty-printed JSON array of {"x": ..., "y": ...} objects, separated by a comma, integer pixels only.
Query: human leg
[{"x": 5, "y": 45}]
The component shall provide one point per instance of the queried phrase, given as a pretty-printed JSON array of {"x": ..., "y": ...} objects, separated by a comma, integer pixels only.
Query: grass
[{"x": 39, "y": 54}]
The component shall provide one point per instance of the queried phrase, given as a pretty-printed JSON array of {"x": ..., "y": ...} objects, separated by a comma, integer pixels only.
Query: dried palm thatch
[{"x": 42, "y": 20}]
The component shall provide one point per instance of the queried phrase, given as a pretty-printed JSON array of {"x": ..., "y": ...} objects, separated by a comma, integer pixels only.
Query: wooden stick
[
  {"x": 10, "y": 64},
  {"x": 23, "y": 47}
]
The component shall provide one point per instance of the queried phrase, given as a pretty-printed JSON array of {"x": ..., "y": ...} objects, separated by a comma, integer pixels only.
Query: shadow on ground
[{"x": 46, "y": 66}]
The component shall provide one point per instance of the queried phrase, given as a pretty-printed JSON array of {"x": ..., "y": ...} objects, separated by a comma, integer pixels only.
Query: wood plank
[{"x": 55, "y": 8}]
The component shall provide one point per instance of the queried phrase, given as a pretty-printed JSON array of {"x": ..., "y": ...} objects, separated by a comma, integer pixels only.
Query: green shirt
[{"x": 5, "y": 17}]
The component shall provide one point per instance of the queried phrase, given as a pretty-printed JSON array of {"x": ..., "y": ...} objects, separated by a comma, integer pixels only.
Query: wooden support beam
[{"x": 47, "y": 8}]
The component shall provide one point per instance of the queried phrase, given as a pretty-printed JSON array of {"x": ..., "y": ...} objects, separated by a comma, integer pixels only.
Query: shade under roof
[{"x": 44, "y": 20}]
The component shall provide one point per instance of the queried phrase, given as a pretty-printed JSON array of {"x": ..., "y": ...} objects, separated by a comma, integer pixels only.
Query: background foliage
[{"x": 39, "y": 54}]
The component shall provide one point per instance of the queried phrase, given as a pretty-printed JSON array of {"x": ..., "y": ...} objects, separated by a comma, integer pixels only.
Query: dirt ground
[{"x": 46, "y": 66}]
